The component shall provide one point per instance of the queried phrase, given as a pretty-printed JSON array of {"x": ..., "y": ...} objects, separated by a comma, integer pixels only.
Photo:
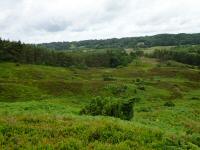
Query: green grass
[{"x": 40, "y": 105}]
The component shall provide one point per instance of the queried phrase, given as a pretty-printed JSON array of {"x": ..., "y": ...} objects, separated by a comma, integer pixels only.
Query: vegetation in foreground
[
  {"x": 40, "y": 106},
  {"x": 110, "y": 107}
]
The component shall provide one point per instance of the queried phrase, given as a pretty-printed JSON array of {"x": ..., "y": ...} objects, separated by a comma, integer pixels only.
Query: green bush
[
  {"x": 141, "y": 87},
  {"x": 107, "y": 77},
  {"x": 138, "y": 80},
  {"x": 140, "y": 84},
  {"x": 195, "y": 98},
  {"x": 110, "y": 107},
  {"x": 119, "y": 89},
  {"x": 144, "y": 109},
  {"x": 82, "y": 66},
  {"x": 17, "y": 64},
  {"x": 169, "y": 104}
]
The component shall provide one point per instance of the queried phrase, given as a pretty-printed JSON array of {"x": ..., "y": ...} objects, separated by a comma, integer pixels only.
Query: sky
[{"x": 39, "y": 21}]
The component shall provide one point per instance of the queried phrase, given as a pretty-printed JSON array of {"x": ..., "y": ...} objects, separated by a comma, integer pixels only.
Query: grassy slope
[{"x": 46, "y": 101}]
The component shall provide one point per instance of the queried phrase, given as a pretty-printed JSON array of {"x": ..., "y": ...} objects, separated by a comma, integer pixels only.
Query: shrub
[
  {"x": 177, "y": 93},
  {"x": 169, "y": 104},
  {"x": 195, "y": 138},
  {"x": 119, "y": 89},
  {"x": 169, "y": 63},
  {"x": 135, "y": 91},
  {"x": 138, "y": 80},
  {"x": 108, "y": 77},
  {"x": 141, "y": 87},
  {"x": 94, "y": 107},
  {"x": 195, "y": 98},
  {"x": 17, "y": 64},
  {"x": 140, "y": 84},
  {"x": 158, "y": 65},
  {"x": 110, "y": 107},
  {"x": 82, "y": 66},
  {"x": 69, "y": 144},
  {"x": 144, "y": 109}
]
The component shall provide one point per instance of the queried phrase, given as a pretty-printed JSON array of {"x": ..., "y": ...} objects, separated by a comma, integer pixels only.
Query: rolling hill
[
  {"x": 40, "y": 106},
  {"x": 129, "y": 42}
]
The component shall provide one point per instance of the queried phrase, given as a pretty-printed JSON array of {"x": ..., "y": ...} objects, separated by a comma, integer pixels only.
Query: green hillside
[
  {"x": 128, "y": 42},
  {"x": 40, "y": 106}
]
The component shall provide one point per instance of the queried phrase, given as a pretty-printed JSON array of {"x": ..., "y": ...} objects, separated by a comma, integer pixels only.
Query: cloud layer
[{"x": 36, "y": 21}]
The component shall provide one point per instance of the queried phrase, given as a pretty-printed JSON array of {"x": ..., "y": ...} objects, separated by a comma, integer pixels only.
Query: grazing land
[{"x": 40, "y": 106}]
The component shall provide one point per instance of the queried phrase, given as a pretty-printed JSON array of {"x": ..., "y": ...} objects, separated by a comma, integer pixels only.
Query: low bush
[
  {"x": 117, "y": 89},
  {"x": 144, "y": 109},
  {"x": 17, "y": 64},
  {"x": 82, "y": 66},
  {"x": 108, "y": 77},
  {"x": 141, "y": 87},
  {"x": 140, "y": 84},
  {"x": 158, "y": 65},
  {"x": 177, "y": 93},
  {"x": 169, "y": 104},
  {"x": 138, "y": 80},
  {"x": 195, "y": 98},
  {"x": 122, "y": 109}
]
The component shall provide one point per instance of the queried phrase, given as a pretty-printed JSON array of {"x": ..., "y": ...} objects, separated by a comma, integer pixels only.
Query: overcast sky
[{"x": 36, "y": 21}]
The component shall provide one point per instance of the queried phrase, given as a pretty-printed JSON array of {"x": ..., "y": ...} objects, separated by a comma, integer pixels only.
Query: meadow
[{"x": 40, "y": 106}]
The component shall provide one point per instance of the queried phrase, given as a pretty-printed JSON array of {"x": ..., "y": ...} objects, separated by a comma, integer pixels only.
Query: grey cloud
[
  {"x": 48, "y": 20},
  {"x": 54, "y": 28},
  {"x": 52, "y": 25},
  {"x": 78, "y": 29}
]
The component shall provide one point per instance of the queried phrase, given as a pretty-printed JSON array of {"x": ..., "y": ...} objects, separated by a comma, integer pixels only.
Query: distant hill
[{"x": 129, "y": 42}]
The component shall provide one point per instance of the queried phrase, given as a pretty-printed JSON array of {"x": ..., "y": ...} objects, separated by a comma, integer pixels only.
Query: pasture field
[{"x": 40, "y": 107}]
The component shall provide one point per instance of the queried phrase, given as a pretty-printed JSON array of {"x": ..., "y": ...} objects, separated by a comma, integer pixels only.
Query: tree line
[
  {"x": 31, "y": 54},
  {"x": 130, "y": 42},
  {"x": 184, "y": 54}
]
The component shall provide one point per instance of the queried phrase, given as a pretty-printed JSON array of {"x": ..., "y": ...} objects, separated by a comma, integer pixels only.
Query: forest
[
  {"x": 184, "y": 54},
  {"x": 129, "y": 42},
  {"x": 103, "y": 56},
  {"x": 31, "y": 54}
]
